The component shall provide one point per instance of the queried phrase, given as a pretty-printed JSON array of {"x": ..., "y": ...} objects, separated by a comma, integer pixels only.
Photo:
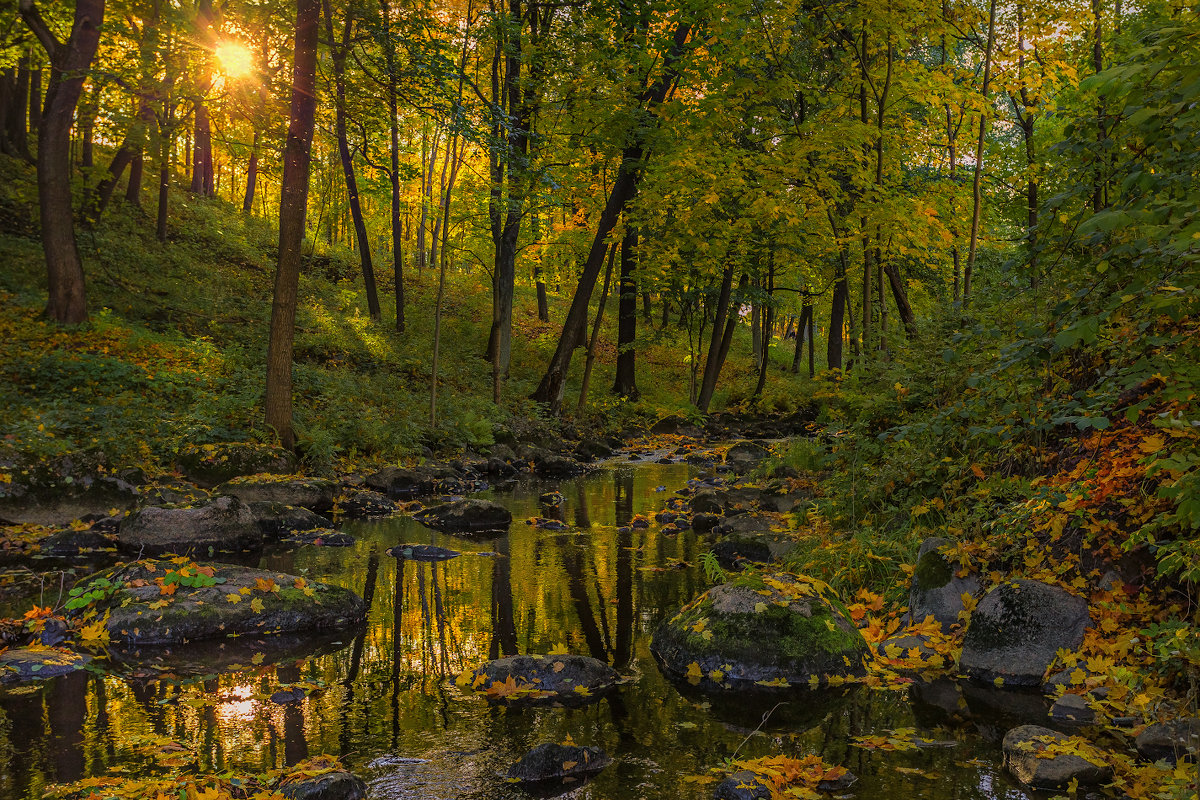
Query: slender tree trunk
[
  {"x": 625, "y": 383},
  {"x": 202, "y": 162},
  {"x": 976, "y": 190},
  {"x": 1100, "y": 186},
  {"x": 591, "y": 348},
  {"x": 166, "y": 149},
  {"x": 768, "y": 325},
  {"x": 801, "y": 332},
  {"x": 550, "y": 389},
  {"x": 293, "y": 205},
  {"x": 69, "y": 64},
  {"x": 539, "y": 276},
  {"x": 133, "y": 192},
  {"x": 712, "y": 362},
  {"x": 389, "y": 52},
  {"x": 251, "y": 176},
  {"x": 356, "y": 214}
]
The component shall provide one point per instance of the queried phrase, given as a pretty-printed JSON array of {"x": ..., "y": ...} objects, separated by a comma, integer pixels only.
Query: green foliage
[
  {"x": 93, "y": 591},
  {"x": 712, "y": 567}
]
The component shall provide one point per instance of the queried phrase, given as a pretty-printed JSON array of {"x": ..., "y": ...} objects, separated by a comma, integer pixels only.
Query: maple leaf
[
  {"x": 234, "y": 598},
  {"x": 256, "y": 605},
  {"x": 694, "y": 673}
]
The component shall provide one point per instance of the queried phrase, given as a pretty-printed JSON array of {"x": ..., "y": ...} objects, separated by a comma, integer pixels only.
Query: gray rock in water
[
  {"x": 403, "y": 483},
  {"x": 540, "y": 680},
  {"x": 330, "y": 786},
  {"x": 210, "y": 464},
  {"x": 556, "y": 467},
  {"x": 1170, "y": 741},
  {"x": 936, "y": 590},
  {"x": 24, "y": 664},
  {"x": 1072, "y": 709},
  {"x": 1028, "y": 755},
  {"x": 214, "y": 601},
  {"x": 774, "y": 628},
  {"x": 277, "y": 520},
  {"x": 743, "y": 785},
  {"x": 1017, "y": 630},
  {"x": 746, "y": 455},
  {"x": 548, "y": 762},
  {"x": 365, "y": 504},
  {"x": 466, "y": 516},
  {"x": 223, "y": 524},
  {"x": 707, "y": 501},
  {"x": 422, "y": 552},
  {"x": 71, "y": 543},
  {"x": 315, "y": 494}
]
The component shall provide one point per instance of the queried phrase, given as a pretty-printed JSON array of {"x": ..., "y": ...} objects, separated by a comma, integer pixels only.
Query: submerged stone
[
  {"x": 536, "y": 679},
  {"x": 778, "y": 630},
  {"x": 555, "y": 761},
  {"x": 1018, "y": 629},
  {"x": 39, "y": 663},
  {"x": 212, "y": 601},
  {"x": 422, "y": 552}
]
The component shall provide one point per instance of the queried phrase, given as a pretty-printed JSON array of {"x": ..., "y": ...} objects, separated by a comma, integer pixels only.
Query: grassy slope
[{"x": 175, "y": 348}]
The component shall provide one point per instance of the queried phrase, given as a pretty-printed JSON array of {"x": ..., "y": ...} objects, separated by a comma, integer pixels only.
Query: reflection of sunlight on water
[{"x": 238, "y": 705}]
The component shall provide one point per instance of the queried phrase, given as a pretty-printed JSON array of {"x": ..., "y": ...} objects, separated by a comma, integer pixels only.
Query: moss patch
[{"x": 932, "y": 571}]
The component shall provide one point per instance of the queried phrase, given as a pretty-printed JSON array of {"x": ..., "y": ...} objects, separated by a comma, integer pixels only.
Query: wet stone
[
  {"x": 1170, "y": 741},
  {"x": 567, "y": 679},
  {"x": 338, "y": 785},
  {"x": 365, "y": 504},
  {"x": 315, "y": 494},
  {"x": 403, "y": 483},
  {"x": 211, "y": 464},
  {"x": 223, "y": 524},
  {"x": 555, "y": 761},
  {"x": 72, "y": 543},
  {"x": 277, "y": 520},
  {"x": 39, "y": 663},
  {"x": 466, "y": 516},
  {"x": 422, "y": 552},
  {"x": 1028, "y": 755},
  {"x": 321, "y": 537},
  {"x": 1074, "y": 709}
]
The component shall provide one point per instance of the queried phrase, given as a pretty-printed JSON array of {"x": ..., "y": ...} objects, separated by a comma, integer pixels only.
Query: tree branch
[{"x": 33, "y": 18}]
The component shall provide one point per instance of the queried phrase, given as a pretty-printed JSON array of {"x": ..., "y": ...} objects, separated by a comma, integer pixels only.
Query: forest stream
[{"x": 384, "y": 699}]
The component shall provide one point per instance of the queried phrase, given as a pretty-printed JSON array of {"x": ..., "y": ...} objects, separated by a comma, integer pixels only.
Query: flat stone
[
  {"x": 277, "y": 520},
  {"x": 39, "y": 663},
  {"x": 1074, "y": 709},
  {"x": 403, "y": 483},
  {"x": 1018, "y": 629},
  {"x": 223, "y": 524},
  {"x": 315, "y": 494},
  {"x": 567, "y": 679},
  {"x": 365, "y": 504},
  {"x": 337, "y": 785},
  {"x": 466, "y": 516},
  {"x": 211, "y": 464},
  {"x": 214, "y": 601},
  {"x": 1027, "y": 757},
  {"x": 72, "y": 543},
  {"x": 422, "y": 552}
]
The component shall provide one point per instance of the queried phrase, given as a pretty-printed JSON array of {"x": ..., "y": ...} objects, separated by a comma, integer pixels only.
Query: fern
[{"x": 712, "y": 568}]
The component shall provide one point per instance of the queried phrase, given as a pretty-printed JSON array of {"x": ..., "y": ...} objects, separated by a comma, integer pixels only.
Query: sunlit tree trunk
[
  {"x": 202, "y": 163},
  {"x": 976, "y": 191},
  {"x": 625, "y": 383},
  {"x": 293, "y": 205},
  {"x": 69, "y": 64},
  {"x": 389, "y": 52}
]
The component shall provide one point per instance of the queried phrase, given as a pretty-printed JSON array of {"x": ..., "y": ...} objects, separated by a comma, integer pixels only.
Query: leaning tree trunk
[
  {"x": 712, "y": 365},
  {"x": 293, "y": 205},
  {"x": 591, "y": 348},
  {"x": 69, "y": 63},
  {"x": 251, "y": 176}
]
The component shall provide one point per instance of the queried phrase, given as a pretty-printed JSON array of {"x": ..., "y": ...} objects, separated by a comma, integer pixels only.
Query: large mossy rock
[
  {"x": 211, "y": 464},
  {"x": 466, "y": 516},
  {"x": 403, "y": 483},
  {"x": 1046, "y": 759},
  {"x": 543, "y": 680},
  {"x": 775, "y": 629},
  {"x": 211, "y": 601},
  {"x": 220, "y": 525},
  {"x": 1018, "y": 628},
  {"x": 277, "y": 521},
  {"x": 937, "y": 590},
  {"x": 315, "y": 494}
]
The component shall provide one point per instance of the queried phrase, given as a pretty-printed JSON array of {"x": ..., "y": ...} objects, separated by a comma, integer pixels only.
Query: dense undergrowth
[{"x": 174, "y": 352}]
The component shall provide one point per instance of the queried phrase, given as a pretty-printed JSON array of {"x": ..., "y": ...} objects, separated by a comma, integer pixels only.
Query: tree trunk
[
  {"x": 550, "y": 389},
  {"x": 625, "y": 384},
  {"x": 164, "y": 187},
  {"x": 976, "y": 191},
  {"x": 801, "y": 332},
  {"x": 539, "y": 276},
  {"x": 69, "y": 64},
  {"x": 133, "y": 192},
  {"x": 251, "y": 177},
  {"x": 389, "y": 52},
  {"x": 591, "y": 348},
  {"x": 356, "y": 214},
  {"x": 202, "y": 163},
  {"x": 293, "y": 205},
  {"x": 768, "y": 325},
  {"x": 837, "y": 317},
  {"x": 712, "y": 365}
]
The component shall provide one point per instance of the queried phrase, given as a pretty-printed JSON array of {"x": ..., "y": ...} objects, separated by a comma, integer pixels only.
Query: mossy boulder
[
  {"x": 365, "y": 504},
  {"x": 211, "y": 464},
  {"x": 277, "y": 520},
  {"x": 159, "y": 601},
  {"x": 315, "y": 494},
  {"x": 38, "y": 662},
  {"x": 745, "y": 455},
  {"x": 775, "y": 629},
  {"x": 219, "y": 525},
  {"x": 403, "y": 483},
  {"x": 1017, "y": 630},
  {"x": 937, "y": 589}
]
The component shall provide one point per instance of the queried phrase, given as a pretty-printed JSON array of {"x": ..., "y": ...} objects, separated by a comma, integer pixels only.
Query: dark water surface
[{"x": 386, "y": 703}]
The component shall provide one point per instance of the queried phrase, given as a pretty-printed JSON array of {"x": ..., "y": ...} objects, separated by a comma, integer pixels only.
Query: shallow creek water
[{"x": 386, "y": 703}]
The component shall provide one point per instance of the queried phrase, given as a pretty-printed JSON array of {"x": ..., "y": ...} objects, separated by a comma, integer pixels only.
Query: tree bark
[
  {"x": 356, "y": 214},
  {"x": 202, "y": 163},
  {"x": 133, "y": 192},
  {"x": 591, "y": 348},
  {"x": 550, "y": 389},
  {"x": 625, "y": 383},
  {"x": 251, "y": 177},
  {"x": 976, "y": 191},
  {"x": 69, "y": 63},
  {"x": 389, "y": 52},
  {"x": 293, "y": 206},
  {"x": 712, "y": 362}
]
